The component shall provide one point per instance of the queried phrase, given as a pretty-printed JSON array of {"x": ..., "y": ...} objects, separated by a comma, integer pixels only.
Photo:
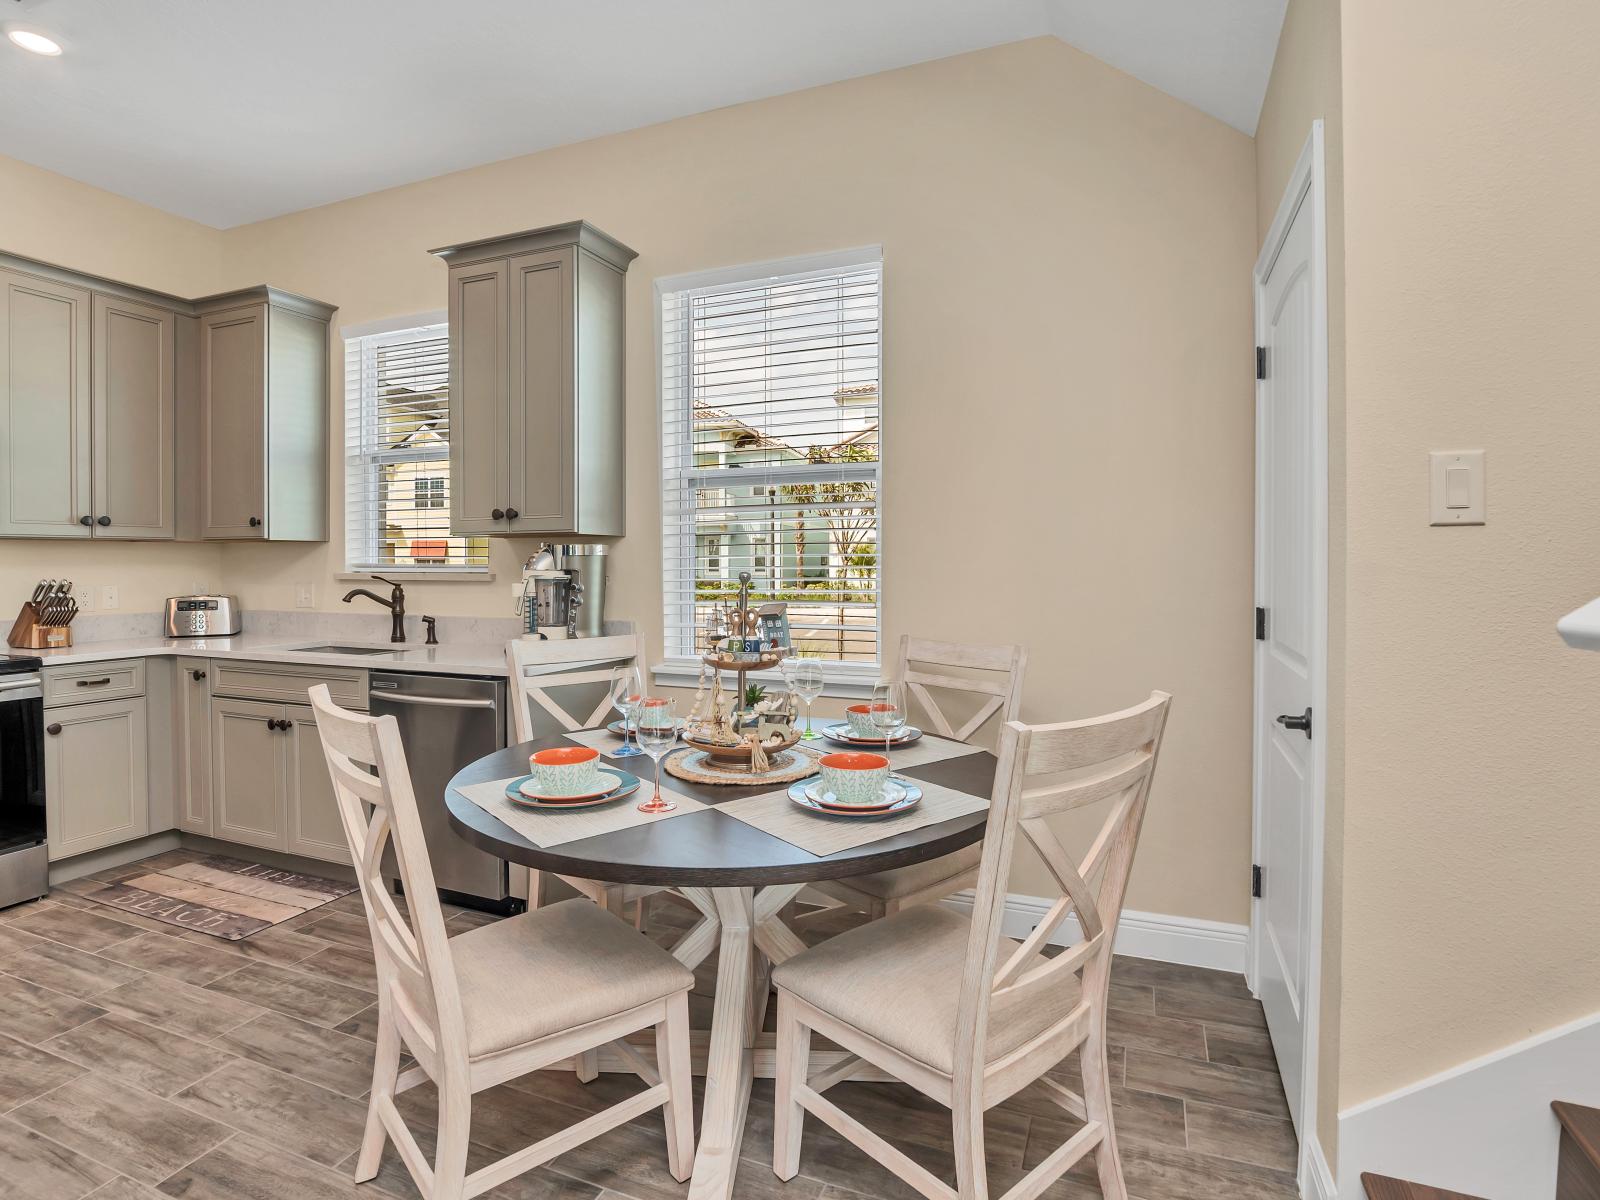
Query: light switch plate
[
  {"x": 1456, "y": 487},
  {"x": 305, "y": 596},
  {"x": 108, "y": 596}
]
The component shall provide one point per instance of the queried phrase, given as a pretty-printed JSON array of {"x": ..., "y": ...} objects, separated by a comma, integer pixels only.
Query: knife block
[{"x": 27, "y": 634}]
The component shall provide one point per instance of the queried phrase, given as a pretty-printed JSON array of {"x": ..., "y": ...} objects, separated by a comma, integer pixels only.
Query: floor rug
[{"x": 225, "y": 897}]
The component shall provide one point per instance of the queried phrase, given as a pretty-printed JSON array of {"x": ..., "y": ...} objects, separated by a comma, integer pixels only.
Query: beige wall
[
  {"x": 1471, "y": 166},
  {"x": 1066, "y": 249},
  {"x": 56, "y": 219},
  {"x": 1306, "y": 86}
]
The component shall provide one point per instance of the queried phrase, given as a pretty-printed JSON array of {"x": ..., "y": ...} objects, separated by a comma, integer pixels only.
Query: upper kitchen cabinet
[
  {"x": 263, "y": 382},
  {"x": 536, "y": 383},
  {"x": 133, "y": 421}
]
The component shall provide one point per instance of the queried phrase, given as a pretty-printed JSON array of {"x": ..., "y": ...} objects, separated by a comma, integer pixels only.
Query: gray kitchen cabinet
[
  {"x": 249, "y": 759},
  {"x": 314, "y": 829},
  {"x": 263, "y": 381},
  {"x": 44, "y": 407},
  {"x": 536, "y": 383},
  {"x": 191, "y": 746},
  {"x": 133, "y": 419},
  {"x": 96, "y": 770}
]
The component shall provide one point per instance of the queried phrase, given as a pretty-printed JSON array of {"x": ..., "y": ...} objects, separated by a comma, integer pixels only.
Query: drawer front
[
  {"x": 287, "y": 683},
  {"x": 83, "y": 683}
]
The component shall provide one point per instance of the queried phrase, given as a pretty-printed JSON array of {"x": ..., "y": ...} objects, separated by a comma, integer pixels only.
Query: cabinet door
[
  {"x": 135, "y": 394},
  {"x": 44, "y": 408},
  {"x": 542, "y": 428},
  {"x": 480, "y": 450},
  {"x": 248, "y": 768},
  {"x": 314, "y": 827},
  {"x": 233, "y": 399},
  {"x": 192, "y": 745},
  {"x": 96, "y": 776}
]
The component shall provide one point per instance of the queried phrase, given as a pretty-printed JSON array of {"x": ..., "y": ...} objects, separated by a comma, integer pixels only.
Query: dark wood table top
[{"x": 708, "y": 848}]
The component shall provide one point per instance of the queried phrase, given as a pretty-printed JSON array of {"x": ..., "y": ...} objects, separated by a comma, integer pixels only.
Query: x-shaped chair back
[
  {"x": 537, "y": 673},
  {"x": 992, "y": 674}
]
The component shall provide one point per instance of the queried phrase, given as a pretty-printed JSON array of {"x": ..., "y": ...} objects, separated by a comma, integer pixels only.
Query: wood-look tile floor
[{"x": 139, "y": 1061}]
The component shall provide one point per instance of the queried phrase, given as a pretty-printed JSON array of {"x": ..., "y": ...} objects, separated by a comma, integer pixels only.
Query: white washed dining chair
[
  {"x": 496, "y": 1002},
  {"x": 537, "y": 682},
  {"x": 968, "y": 1017},
  {"x": 977, "y": 684}
]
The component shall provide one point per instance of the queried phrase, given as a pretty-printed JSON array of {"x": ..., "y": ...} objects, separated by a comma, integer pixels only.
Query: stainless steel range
[{"x": 24, "y": 859}]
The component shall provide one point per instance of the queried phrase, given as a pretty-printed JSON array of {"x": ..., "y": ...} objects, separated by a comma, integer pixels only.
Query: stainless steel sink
[{"x": 342, "y": 649}]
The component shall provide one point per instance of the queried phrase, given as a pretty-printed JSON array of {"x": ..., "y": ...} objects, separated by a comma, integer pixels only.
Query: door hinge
[
  {"x": 1261, "y": 362},
  {"x": 1261, "y": 624},
  {"x": 1255, "y": 882}
]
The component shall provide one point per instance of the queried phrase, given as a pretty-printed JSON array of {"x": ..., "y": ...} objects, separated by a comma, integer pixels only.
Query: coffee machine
[{"x": 562, "y": 592}]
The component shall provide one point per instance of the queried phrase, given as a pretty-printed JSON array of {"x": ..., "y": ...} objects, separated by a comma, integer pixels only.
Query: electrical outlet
[
  {"x": 305, "y": 595},
  {"x": 84, "y": 595},
  {"x": 108, "y": 596}
]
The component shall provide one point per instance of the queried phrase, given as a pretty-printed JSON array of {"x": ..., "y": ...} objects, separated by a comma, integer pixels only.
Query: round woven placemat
[{"x": 785, "y": 766}]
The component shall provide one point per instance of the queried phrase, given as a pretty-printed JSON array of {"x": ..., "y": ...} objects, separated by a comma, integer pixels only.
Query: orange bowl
[
  {"x": 854, "y": 760},
  {"x": 564, "y": 756}
]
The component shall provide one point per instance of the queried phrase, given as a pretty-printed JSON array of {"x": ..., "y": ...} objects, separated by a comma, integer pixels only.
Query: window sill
[
  {"x": 444, "y": 575},
  {"x": 844, "y": 681}
]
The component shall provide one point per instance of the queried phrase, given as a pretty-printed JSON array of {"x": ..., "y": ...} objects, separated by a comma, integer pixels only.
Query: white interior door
[{"x": 1291, "y": 534}]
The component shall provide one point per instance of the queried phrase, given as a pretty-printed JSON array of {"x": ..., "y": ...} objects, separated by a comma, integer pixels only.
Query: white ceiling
[{"x": 230, "y": 111}]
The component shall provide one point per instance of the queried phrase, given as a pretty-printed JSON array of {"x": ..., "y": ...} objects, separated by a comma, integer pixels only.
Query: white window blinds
[
  {"x": 771, "y": 434},
  {"x": 397, "y": 455}
]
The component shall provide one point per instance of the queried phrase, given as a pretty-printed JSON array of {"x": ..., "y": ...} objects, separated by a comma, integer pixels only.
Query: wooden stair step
[
  {"x": 1381, "y": 1187},
  {"x": 1578, "y": 1169}
]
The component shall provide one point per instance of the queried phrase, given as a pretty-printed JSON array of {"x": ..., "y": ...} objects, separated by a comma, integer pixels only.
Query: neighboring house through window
[
  {"x": 771, "y": 409},
  {"x": 397, "y": 456}
]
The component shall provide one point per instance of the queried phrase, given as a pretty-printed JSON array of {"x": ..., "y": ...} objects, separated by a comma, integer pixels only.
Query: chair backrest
[
  {"x": 372, "y": 788},
  {"x": 990, "y": 677},
  {"x": 1044, "y": 770},
  {"x": 536, "y": 673}
]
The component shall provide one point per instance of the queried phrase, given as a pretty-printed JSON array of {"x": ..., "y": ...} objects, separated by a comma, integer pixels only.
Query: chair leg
[
  {"x": 672, "y": 1060},
  {"x": 877, "y": 909},
  {"x": 972, "y": 1172},
  {"x": 385, "y": 1070},
  {"x": 1097, "y": 1107},
  {"x": 455, "y": 1126},
  {"x": 641, "y": 912},
  {"x": 794, "y": 1060},
  {"x": 587, "y": 1063}
]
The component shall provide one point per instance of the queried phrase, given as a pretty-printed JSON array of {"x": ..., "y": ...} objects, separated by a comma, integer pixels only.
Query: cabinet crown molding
[
  {"x": 260, "y": 294},
  {"x": 579, "y": 233}
]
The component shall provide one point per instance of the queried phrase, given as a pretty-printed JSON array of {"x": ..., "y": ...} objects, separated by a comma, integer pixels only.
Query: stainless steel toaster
[{"x": 203, "y": 616}]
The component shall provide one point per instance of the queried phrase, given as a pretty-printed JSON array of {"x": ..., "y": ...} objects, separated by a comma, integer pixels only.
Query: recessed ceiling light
[{"x": 35, "y": 42}]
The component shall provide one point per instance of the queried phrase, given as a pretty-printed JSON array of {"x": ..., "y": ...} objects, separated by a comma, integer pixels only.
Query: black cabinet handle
[
  {"x": 94, "y": 682},
  {"x": 272, "y": 723},
  {"x": 512, "y": 514},
  {"x": 198, "y": 675},
  {"x": 286, "y": 725},
  {"x": 103, "y": 520},
  {"x": 255, "y": 522},
  {"x": 499, "y": 514},
  {"x": 85, "y": 520},
  {"x": 1302, "y": 723},
  {"x": 52, "y": 729}
]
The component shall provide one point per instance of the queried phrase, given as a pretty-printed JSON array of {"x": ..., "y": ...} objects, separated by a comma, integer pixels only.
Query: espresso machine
[{"x": 562, "y": 592}]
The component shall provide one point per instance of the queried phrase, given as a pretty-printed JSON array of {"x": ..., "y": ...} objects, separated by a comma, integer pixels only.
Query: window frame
[
  {"x": 362, "y": 535},
  {"x": 840, "y": 678}
]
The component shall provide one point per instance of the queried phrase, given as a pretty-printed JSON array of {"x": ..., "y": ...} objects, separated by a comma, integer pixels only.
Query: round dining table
[{"x": 741, "y": 880}]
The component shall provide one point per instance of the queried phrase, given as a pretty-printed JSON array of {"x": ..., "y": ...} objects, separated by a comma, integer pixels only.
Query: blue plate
[
  {"x": 840, "y": 734},
  {"x": 805, "y": 794},
  {"x": 626, "y": 785}
]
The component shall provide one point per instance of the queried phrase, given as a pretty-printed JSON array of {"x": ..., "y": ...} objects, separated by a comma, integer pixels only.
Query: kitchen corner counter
[{"x": 462, "y": 658}]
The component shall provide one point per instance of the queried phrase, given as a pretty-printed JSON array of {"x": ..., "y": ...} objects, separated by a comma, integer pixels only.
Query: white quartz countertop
[{"x": 462, "y": 658}]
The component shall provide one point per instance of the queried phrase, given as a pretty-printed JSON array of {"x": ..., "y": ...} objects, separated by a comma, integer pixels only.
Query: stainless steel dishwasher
[{"x": 447, "y": 721}]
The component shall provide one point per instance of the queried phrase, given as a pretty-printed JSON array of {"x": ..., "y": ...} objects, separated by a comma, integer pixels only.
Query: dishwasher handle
[{"x": 442, "y": 701}]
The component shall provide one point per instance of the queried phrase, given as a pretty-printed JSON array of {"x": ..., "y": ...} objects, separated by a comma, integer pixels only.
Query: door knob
[
  {"x": 103, "y": 521},
  {"x": 255, "y": 522},
  {"x": 512, "y": 514},
  {"x": 1302, "y": 723},
  {"x": 52, "y": 729},
  {"x": 198, "y": 675},
  {"x": 499, "y": 514}
]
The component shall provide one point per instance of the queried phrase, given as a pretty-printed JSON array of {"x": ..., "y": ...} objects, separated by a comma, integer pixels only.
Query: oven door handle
[
  {"x": 442, "y": 701},
  {"x": 20, "y": 689}
]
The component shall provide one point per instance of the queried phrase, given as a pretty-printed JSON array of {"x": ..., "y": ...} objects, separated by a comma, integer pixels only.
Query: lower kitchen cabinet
[
  {"x": 270, "y": 785},
  {"x": 191, "y": 745},
  {"x": 96, "y": 769}
]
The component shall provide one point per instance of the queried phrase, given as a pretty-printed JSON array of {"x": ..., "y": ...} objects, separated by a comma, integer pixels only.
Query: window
[
  {"x": 771, "y": 431},
  {"x": 397, "y": 466}
]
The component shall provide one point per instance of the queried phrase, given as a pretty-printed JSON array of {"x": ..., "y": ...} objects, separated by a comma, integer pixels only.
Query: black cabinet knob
[
  {"x": 499, "y": 514},
  {"x": 512, "y": 514},
  {"x": 52, "y": 729},
  {"x": 198, "y": 675},
  {"x": 85, "y": 520},
  {"x": 103, "y": 521},
  {"x": 285, "y": 725},
  {"x": 255, "y": 522}
]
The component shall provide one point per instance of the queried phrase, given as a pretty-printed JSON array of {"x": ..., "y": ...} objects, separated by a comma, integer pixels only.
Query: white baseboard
[
  {"x": 1484, "y": 1127},
  {"x": 1211, "y": 944},
  {"x": 1316, "y": 1177}
]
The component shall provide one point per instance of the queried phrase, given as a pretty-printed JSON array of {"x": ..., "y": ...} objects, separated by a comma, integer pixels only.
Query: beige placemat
[
  {"x": 926, "y": 749},
  {"x": 823, "y": 835},
  {"x": 546, "y": 828},
  {"x": 602, "y": 740}
]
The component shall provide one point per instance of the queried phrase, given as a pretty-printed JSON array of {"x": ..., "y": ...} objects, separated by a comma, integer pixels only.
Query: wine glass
[
  {"x": 808, "y": 686},
  {"x": 888, "y": 711},
  {"x": 627, "y": 690},
  {"x": 657, "y": 732}
]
